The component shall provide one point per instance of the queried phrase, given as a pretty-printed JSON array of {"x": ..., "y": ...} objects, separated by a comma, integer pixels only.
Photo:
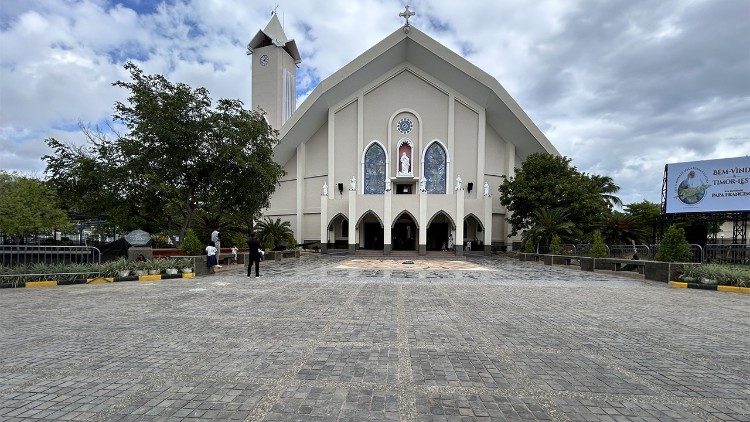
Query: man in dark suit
[{"x": 253, "y": 256}]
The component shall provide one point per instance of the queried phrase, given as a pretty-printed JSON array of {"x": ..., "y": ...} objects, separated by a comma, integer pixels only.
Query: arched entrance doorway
[
  {"x": 404, "y": 232},
  {"x": 439, "y": 229},
  {"x": 473, "y": 233},
  {"x": 370, "y": 230},
  {"x": 338, "y": 232}
]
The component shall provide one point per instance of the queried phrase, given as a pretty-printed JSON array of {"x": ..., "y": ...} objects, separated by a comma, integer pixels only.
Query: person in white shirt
[
  {"x": 211, "y": 257},
  {"x": 234, "y": 254},
  {"x": 217, "y": 243}
]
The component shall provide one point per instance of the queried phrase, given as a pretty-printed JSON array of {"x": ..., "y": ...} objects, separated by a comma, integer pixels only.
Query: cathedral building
[{"x": 403, "y": 148}]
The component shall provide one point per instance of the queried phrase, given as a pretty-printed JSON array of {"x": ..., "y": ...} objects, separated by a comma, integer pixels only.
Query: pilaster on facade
[
  {"x": 298, "y": 231},
  {"x": 481, "y": 147},
  {"x": 451, "y": 140},
  {"x": 460, "y": 214},
  {"x": 487, "y": 224},
  {"x": 324, "y": 223},
  {"x": 422, "y": 245},
  {"x": 331, "y": 158},
  {"x": 352, "y": 221},
  {"x": 387, "y": 218}
]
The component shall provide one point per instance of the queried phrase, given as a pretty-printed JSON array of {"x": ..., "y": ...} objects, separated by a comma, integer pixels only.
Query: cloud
[{"x": 622, "y": 87}]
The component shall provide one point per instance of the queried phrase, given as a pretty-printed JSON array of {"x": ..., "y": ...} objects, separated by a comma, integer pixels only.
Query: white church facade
[{"x": 401, "y": 149}]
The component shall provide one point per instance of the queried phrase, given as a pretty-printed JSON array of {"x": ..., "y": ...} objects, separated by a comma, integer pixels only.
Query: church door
[{"x": 404, "y": 234}]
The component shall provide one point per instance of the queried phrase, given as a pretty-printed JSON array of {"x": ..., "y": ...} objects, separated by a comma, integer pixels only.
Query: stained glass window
[
  {"x": 434, "y": 168},
  {"x": 374, "y": 170}
]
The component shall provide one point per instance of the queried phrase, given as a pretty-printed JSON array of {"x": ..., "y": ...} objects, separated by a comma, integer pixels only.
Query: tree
[
  {"x": 674, "y": 247},
  {"x": 180, "y": 156},
  {"x": 28, "y": 206},
  {"x": 555, "y": 246},
  {"x": 275, "y": 234},
  {"x": 547, "y": 181},
  {"x": 547, "y": 225},
  {"x": 646, "y": 215},
  {"x": 191, "y": 245},
  {"x": 598, "y": 248},
  {"x": 619, "y": 229}
]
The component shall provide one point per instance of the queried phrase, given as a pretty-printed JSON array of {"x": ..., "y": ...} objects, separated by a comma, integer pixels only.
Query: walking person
[
  {"x": 211, "y": 257},
  {"x": 253, "y": 255},
  {"x": 217, "y": 243}
]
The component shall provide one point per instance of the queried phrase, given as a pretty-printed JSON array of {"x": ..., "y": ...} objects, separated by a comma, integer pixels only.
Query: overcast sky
[{"x": 622, "y": 87}]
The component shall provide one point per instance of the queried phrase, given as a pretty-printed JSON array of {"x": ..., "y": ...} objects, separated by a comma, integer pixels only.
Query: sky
[{"x": 621, "y": 87}]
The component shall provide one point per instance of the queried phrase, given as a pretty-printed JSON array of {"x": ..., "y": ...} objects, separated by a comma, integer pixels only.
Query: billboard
[{"x": 709, "y": 186}]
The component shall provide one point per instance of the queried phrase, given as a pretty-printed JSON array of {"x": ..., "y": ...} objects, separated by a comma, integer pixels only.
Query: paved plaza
[{"x": 322, "y": 338}]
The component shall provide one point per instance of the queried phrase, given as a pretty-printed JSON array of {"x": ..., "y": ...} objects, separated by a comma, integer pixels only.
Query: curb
[
  {"x": 97, "y": 280},
  {"x": 718, "y": 288}
]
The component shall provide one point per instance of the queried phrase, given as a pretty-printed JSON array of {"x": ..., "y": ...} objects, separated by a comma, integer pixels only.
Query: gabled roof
[
  {"x": 503, "y": 114},
  {"x": 274, "y": 34}
]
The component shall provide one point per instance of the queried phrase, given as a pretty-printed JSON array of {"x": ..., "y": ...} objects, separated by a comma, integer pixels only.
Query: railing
[
  {"x": 727, "y": 254},
  {"x": 13, "y": 255},
  {"x": 627, "y": 251}
]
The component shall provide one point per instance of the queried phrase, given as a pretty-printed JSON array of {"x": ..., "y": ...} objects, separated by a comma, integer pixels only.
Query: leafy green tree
[
  {"x": 620, "y": 229},
  {"x": 528, "y": 246},
  {"x": 547, "y": 225},
  {"x": 275, "y": 234},
  {"x": 29, "y": 206},
  {"x": 646, "y": 215},
  {"x": 555, "y": 246},
  {"x": 546, "y": 181},
  {"x": 179, "y": 156},
  {"x": 598, "y": 248},
  {"x": 191, "y": 245},
  {"x": 674, "y": 247}
]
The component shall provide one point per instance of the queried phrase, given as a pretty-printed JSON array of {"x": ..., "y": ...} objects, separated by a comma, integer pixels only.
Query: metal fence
[
  {"x": 14, "y": 255},
  {"x": 727, "y": 254}
]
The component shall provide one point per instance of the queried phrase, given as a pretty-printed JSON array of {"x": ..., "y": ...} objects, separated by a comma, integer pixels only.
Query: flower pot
[
  {"x": 171, "y": 271},
  {"x": 154, "y": 272},
  {"x": 140, "y": 272},
  {"x": 123, "y": 273},
  {"x": 187, "y": 270}
]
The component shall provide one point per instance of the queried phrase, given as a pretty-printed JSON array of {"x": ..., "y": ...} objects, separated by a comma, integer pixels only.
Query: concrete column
[
  {"x": 299, "y": 234},
  {"x": 387, "y": 220},
  {"x": 324, "y": 223},
  {"x": 422, "y": 245},
  {"x": 487, "y": 224},
  {"x": 352, "y": 220},
  {"x": 459, "y": 243}
]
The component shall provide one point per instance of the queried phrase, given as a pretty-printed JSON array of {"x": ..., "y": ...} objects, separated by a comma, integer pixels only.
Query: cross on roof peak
[{"x": 406, "y": 14}]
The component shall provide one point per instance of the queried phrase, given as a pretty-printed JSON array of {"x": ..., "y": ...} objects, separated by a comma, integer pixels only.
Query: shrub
[
  {"x": 598, "y": 248},
  {"x": 555, "y": 247},
  {"x": 191, "y": 245},
  {"x": 726, "y": 275},
  {"x": 528, "y": 246},
  {"x": 674, "y": 247}
]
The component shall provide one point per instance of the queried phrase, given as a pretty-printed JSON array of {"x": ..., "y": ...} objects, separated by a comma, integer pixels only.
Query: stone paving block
[
  {"x": 362, "y": 331},
  {"x": 461, "y": 368},
  {"x": 575, "y": 372},
  {"x": 372, "y": 364},
  {"x": 247, "y": 361},
  {"x": 494, "y": 407},
  {"x": 577, "y": 409},
  {"x": 331, "y": 403}
]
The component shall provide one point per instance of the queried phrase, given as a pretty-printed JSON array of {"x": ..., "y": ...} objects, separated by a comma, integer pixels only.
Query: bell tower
[{"x": 275, "y": 59}]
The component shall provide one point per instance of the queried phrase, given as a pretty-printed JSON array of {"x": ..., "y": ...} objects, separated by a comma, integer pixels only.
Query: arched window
[
  {"x": 435, "y": 160},
  {"x": 374, "y": 167}
]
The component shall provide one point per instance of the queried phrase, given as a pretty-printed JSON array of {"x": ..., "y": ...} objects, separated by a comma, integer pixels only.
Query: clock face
[
  {"x": 263, "y": 60},
  {"x": 404, "y": 125}
]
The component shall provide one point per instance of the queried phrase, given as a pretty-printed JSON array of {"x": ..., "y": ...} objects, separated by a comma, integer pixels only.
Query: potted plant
[
  {"x": 154, "y": 266},
  {"x": 185, "y": 265},
  {"x": 121, "y": 267},
  {"x": 140, "y": 267},
  {"x": 170, "y": 265}
]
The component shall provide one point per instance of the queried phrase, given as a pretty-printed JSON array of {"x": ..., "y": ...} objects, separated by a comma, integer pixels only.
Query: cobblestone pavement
[{"x": 309, "y": 341}]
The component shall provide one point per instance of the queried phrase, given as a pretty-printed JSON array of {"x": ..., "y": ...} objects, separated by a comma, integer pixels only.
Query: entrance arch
[
  {"x": 439, "y": 228},
  {"x": 370, "y": 231},
  {"x": 338, "y": 232},
  {"x": 473, "y": 233},
  {"x": 404, "y": 232}
]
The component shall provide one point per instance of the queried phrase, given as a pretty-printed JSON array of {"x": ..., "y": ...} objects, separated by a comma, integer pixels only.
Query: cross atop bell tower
[
  {"x": 275, "y": 59},
  {"x": 406, "y": 14}
]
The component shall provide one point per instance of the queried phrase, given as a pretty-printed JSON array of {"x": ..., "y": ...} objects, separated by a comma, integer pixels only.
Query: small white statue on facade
[
  {"x": 405, "y": 169},
  {"x": 423, "y": 185},
  {"x": 325, "y": 189},
  {"x": 486, "y": 189},
  {"x": 353, "y": 184},
  {"x": 459, "y": 185},
  {"x": 387, "y": 185}
]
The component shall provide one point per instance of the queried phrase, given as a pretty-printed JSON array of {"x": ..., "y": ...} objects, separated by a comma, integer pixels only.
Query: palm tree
[
  {"x": 275, "y": 235},
  {"x": 607, "y": 189},
  {"x": 619, "y": 228},
  {"x": 546, "y": 224}
]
